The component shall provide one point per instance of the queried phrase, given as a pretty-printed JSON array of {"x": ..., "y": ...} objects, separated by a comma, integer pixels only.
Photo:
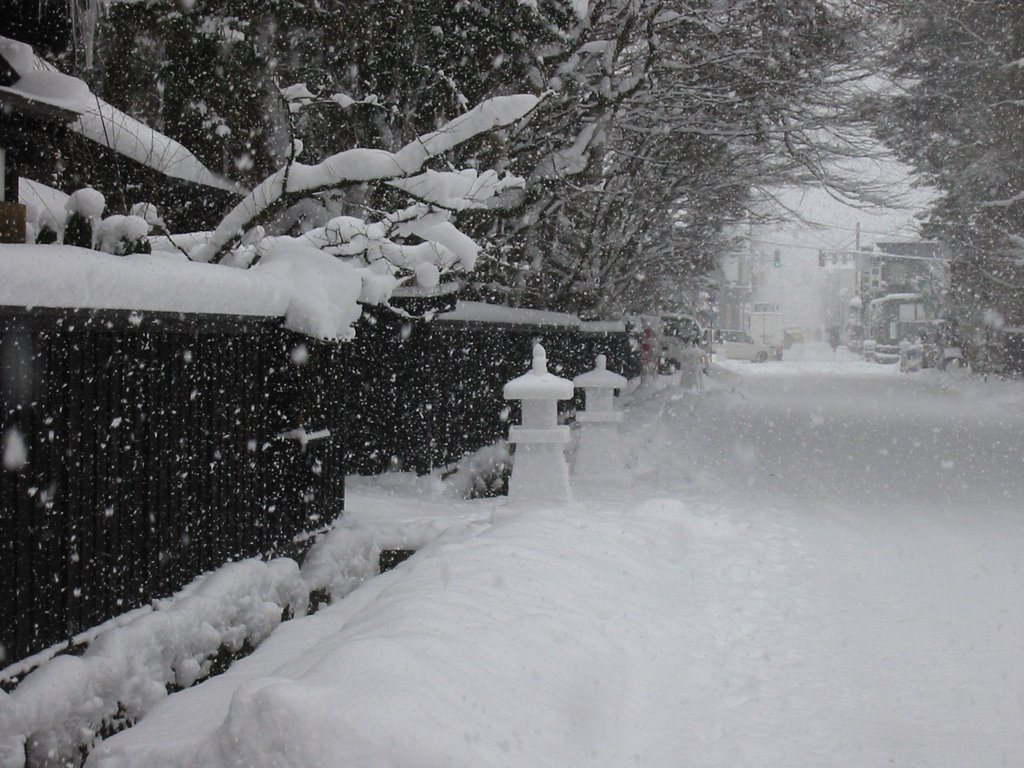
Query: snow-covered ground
[{"x": 816, "y": 562}]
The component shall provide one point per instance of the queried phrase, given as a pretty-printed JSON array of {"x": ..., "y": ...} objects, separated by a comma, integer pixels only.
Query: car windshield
[{"x": 681, "y": 327}]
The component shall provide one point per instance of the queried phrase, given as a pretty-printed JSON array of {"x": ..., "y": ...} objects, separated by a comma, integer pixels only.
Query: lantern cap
[
  {"x": 538, "y": 383},
  {"x": 600, "y": 377}
]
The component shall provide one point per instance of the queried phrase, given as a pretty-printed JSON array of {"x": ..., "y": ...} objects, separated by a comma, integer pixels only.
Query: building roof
[
  {"x": 922, "y": 249},
  {"x": 13, "y": 101},
  {"x": 29, "y": 85}
]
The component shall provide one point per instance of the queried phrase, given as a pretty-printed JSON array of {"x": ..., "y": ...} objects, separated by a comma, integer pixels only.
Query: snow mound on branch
[
  {"x": 458, "y": 190},
  {"x": 149, "y": 213},
  {"x": 345, "y": 101},
  {"x": 116, "y": 229},
  {"x": 19, "y": 55},
  {"x": 55, "y": 88},
  {"x": 378, "y": 286},
  {"x": 428, "y": 276},
  {"x": 113, "y": 128},
  {"x": 486, "y": 116},
  {"x": 297, "y": 95},
  {"x": 445, "y": 243},
  {"x": 363, "y": 165}
]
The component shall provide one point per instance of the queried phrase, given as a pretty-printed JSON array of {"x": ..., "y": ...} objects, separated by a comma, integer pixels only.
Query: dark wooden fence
[
  {"x": 143, "y": 449},
  {"x": 154, "y": 442},
  {"x": 423, "y": 394}
]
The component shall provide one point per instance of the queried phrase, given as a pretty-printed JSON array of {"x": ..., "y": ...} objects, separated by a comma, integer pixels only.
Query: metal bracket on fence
[{"x": 300, "y": 435}]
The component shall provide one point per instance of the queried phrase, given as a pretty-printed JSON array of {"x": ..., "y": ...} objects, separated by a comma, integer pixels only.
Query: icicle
[{"x": 85, "y": 16}]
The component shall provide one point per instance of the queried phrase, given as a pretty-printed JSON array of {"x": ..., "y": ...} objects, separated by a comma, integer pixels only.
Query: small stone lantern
[
  {"x": 599, "y": 450},
  {"x": 539, "y": 470}
]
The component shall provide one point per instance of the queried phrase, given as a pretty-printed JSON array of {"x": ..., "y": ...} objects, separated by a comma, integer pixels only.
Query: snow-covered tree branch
[{"x": 362, "y": 165}]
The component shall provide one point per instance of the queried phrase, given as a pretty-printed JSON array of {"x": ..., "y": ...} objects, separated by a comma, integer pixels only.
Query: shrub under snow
[
  {"x": 122, "y": 235},
  {"x": 86, "y": 202}
]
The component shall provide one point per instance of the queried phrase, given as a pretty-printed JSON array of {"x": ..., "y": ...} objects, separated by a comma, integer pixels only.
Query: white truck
[{"x": 767, "y": 325}]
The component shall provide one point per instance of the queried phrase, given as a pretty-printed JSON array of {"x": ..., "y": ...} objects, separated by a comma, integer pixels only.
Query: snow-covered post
[
  {"x": 691, "y": 368},
  {"x": 648, "y": 356},
  {"x": 539, "y": 470},
  {"x": 599, "y": 451}
]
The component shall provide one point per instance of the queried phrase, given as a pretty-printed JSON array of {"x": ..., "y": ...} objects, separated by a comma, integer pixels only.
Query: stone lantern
[
  {"x": 539, "y": 470},
  {"x": 599, "y": 450}
]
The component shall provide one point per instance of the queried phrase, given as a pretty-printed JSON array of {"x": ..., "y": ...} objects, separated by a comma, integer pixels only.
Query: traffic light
[{"x": 778, "y": 258}]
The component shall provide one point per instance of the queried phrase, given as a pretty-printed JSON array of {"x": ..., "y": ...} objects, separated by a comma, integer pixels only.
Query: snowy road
[
  {"x": 854, "y": 434},
  {"x": 816, "y": 563},
  {"x": 873, "y": 610}
]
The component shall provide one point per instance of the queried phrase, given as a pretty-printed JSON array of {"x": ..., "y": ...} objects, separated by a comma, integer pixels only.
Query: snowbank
[
  {"x": 127, "y": 670},
  {"x": 532, "y": 622},
  {"x": 131, "y": 660}
]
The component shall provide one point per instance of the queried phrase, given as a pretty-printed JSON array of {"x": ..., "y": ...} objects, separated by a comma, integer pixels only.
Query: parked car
[
  {"x": 678, "y": 332},
  {"x": 740, "y": 345}
]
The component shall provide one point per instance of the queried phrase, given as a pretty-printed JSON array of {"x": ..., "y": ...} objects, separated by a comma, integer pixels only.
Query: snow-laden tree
[
  {"x": 665, "y": 122},
  {"x": 210, "y": 72},
  {"x": 374, "y": 249},
  {"x": 660, "y": 120},
  {"x": 955, "y": 114}
]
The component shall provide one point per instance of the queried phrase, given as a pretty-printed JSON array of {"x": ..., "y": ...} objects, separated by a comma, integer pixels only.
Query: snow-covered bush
[
  {"x": 84, "y": 207},
  {"x": 129, "y": 666},
  {"x": 48, "y": 230},
  {"x": 482, "y": 474},
  {"x": 123, "y": 235}
]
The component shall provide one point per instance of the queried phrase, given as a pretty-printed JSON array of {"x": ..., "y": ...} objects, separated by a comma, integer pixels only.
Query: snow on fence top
[
  {"x": 316, "y": 294},
  {"x": 479, "y": 312}
]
